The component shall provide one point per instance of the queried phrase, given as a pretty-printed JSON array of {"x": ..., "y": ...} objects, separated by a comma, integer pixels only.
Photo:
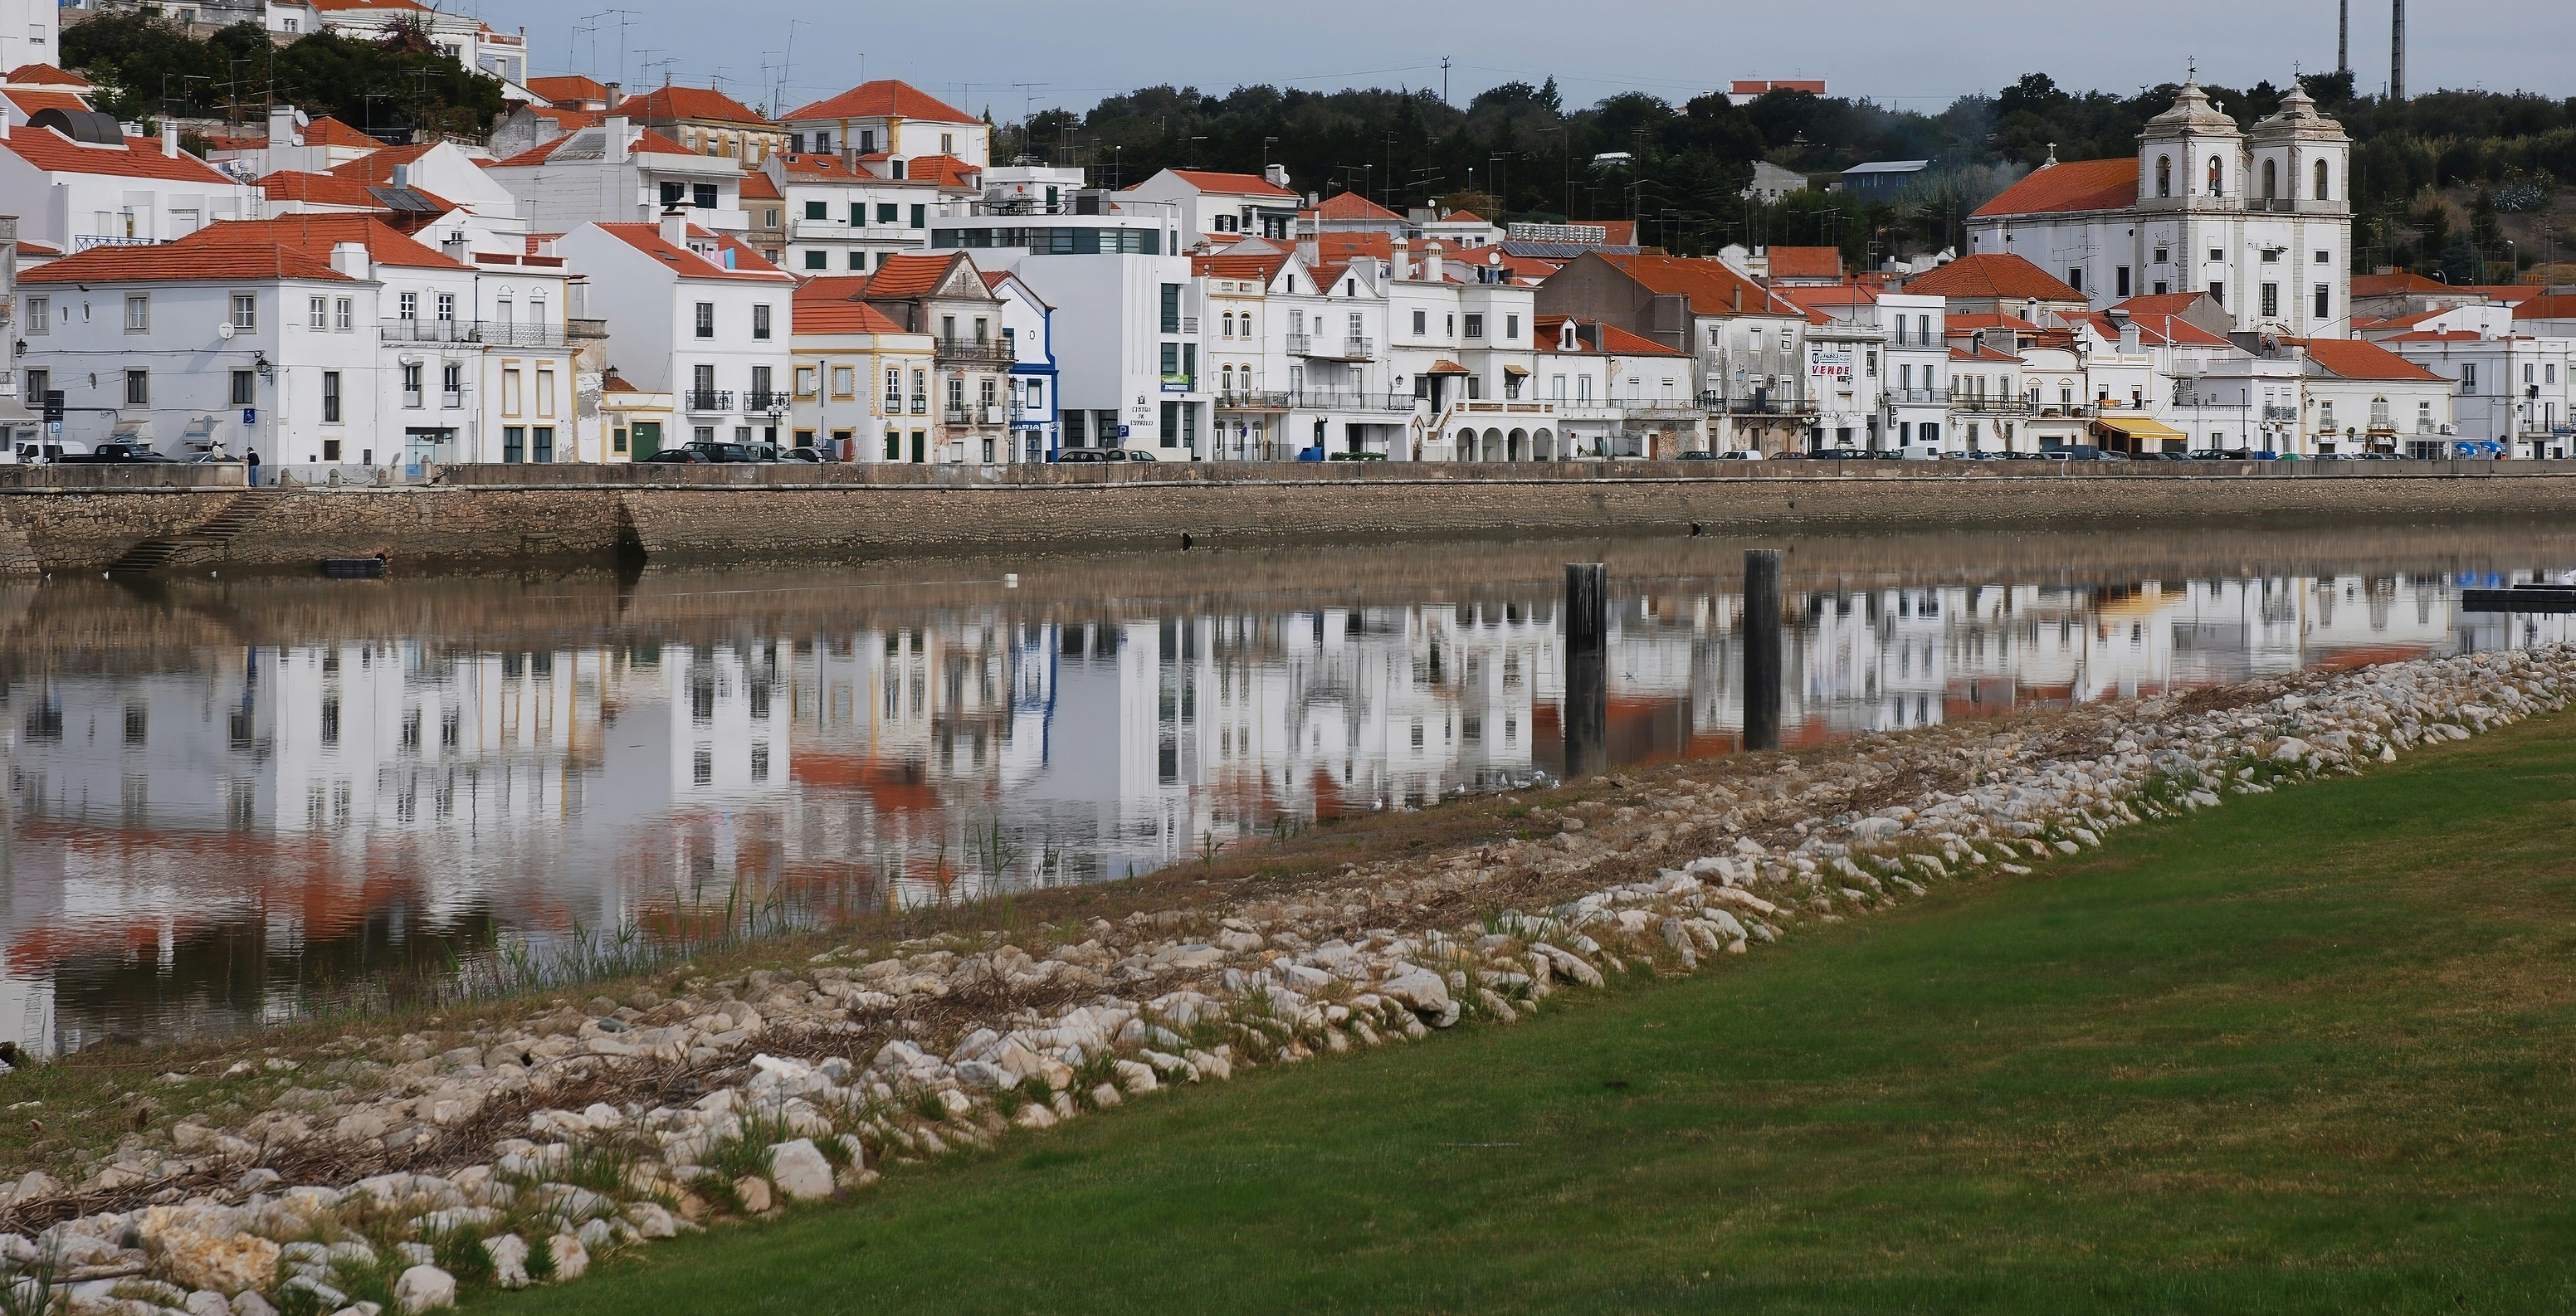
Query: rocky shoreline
[{"x": 387, "y": 1172}]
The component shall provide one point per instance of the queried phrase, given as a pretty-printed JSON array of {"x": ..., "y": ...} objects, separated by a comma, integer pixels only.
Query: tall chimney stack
[
  {"x": 2397, "y": 50},
  {"x": 2343, "y": 36}
]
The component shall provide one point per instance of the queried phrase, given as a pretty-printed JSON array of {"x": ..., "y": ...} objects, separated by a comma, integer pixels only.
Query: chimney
[
  {"x": 1403, "y": 257},
  {"x": 2397, "y": 50},
  {"x": 1275, "y": 175},
  {"x": 618, "y": 148},
  {"x": 350, "y": 258},
  {"x": 170, "y": 135},
  {"x": 675, "y": 230},
  {"x": 1431, "y": 261},
  {"x": 281, "y": 126},
  {"x": 616, "y": 95},
  {"x": 1739, "y": 299}
]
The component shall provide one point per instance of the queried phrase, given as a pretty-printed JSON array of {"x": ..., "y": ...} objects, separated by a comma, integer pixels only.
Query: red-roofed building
[
  {"x": 1745, "y": 90},
  {"x": 857, "y": 372},
  {"x": 891, "y": 117},
  {"x": 466, "y": 40},
  {"x": 1216, "y": 204},
  {"x": 1603, "y": 384},
  {"x": 1749, "y": 344},
  {"x": 1789, "y": 267},
  {"x": 2511, "y": 387},
  {"x": 44, "y": 75},
  {"x": 1998, "y": 284},
  {"x": 1349, "y": 212},
  {"x": 695, "y": 313},
  {"x": 349, "y": 343},
  {"x": 2257, "y": 218},
  {"x": 575, "y": 92},
  {"x": 843, "y": 215},
  {"x": 707, "y": 122},
  {"x": 618, "y": 172},
  {"x": 109, "y": 188}
]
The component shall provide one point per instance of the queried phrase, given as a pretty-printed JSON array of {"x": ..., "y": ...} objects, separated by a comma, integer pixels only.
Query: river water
[{"x": 230, "y": 799}]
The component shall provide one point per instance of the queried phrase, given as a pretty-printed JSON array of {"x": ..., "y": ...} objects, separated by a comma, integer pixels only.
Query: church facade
[{"x": 2259, "y": 219}]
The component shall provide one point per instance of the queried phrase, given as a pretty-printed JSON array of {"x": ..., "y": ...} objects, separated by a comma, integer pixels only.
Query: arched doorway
[
  {"x": 1467, "y": 445},
  {"x": 1494, "y": 443},
  {"x": 1543, "y": 446},
  {"x": 1520, "y": 446}
]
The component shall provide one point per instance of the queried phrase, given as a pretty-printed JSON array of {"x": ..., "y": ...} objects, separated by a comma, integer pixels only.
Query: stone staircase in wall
[{"x": 156, "y": 554}]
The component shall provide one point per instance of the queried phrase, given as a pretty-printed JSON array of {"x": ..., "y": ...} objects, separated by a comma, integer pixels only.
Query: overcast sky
[{"x": 1912, "y": 55}]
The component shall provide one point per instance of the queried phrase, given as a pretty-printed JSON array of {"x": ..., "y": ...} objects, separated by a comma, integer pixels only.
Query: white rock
[
  {"x": 801, "y": 1172},
  {"x": 424, "y": 1288},
  {"x": 754, "y": 1192},
  {"x": 509, "y": 1254},
  {"x": 572, "y": 1258}
]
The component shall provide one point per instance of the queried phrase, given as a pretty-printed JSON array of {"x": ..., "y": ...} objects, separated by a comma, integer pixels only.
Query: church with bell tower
[{"x": 2257, "y": 218}]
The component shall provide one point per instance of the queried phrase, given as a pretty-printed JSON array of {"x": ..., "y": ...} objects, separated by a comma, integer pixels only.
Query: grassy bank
[{"x": 2307, "y": 1053}]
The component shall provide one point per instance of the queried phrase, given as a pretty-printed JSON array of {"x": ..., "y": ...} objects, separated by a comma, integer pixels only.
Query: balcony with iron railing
[
  {"x": 766, "y": 402},
  {"x": 991, "y": 413},
  {"x": 1252, "y": 401},
  {"x": 1758, "y": 404},
  {"x": 471, "y": 333},
  {"x": 1991, "y": 404},
  {"x": 86, "y": 241},
  {"x": 2274, "y": 411},
  {"x": 1328, "y": 348},
  {"x": 707, "y": 400},
  {"x": 1917, "y": 397},
  {"x": 992, "y": 351}
]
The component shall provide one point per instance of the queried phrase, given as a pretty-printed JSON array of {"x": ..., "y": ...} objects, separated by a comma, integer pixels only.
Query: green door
[{"x": 648, "y": 439}]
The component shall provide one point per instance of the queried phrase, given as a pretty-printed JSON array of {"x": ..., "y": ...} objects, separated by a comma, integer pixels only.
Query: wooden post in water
[
  {"x": 1762, "y": 649},
  {"x": 1587, "y": 660}
]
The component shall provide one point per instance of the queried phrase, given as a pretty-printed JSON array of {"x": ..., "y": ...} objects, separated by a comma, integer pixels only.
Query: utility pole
[
  {"x": 2343, "y": 36},
  {"x": 1444, "y": 79},
  {"x": 2397, "y": 50}
]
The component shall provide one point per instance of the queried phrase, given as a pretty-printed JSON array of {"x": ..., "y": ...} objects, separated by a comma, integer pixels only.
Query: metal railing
[
  {"x": 1996, "y": 404},
  {"x": 1323, "y": 345},
  {"x": 920, "y": 405},
  {"x": 769, "y": 401},
  {"x": 87, "y": 241},
  {"x": 1252, "y": 401},
  {"x": 2276, "y": 412},
  {"x": 711, "y": 399},
  {"x": 479, "y": 333},
  {"x": 1917, "y": 396},
  {"x": 1757, "y": 404},
  {"x": 972, "y": 349},
  {"x": 1327, "y": 400}
]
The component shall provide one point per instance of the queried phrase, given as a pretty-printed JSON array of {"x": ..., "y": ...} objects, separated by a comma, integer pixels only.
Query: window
[
  {"x": 760, "y": 322},
  {"x": 245, "y": 310},
  {"x": 702, "y": 195},
  {"x": 2271, "y": 180},
  {"x": 245, "y": 391},
  {"x": 859, "y": 260},
  {"x": 317, "y": 313},
  {"x": 845, "y": 382},
  {"x": 893, "y": 390},
  {"x": 40, "y": 314},
  {"x": 2324, "y": 294},
  {"x": 706, "y": 319},
  {"x": 2160, "y": 287},
  {"x": 509, "y": 392},
  {"x": 1421, "y": 323},
  {"x": 889, "y": 213},
  {"x": 545, "y": 391},
  {"x": 411, "y": 377},
  {"x": 760, "y": 385},
  {"x": 330, "y": 397},
  {"x": 544, "y": 446},
  {"x": 1171, "y": 321},
  {"x": 408, "y": 306},
  {"x": 2164, "y": 178},
  {"x": 947, "y": 143},
  {"x": 451, "y": 385},
  {"x": 822, "y": 210},
  {"x": 446, "y": 307},
  {"x": 2325, "y": 258},
  {"x": 818, "y": 260},
  {"x": 138, "y": 315},
  {"x": 673, "y": 194},
  {"x": 2271, "y": 299},
  {"x": 920, "y": 214},
  {"x": 1511, "y": 328},
  {"x": 2468, "y": 376},
  {"x": 2163, "y": 256},
  {"x": 1475, "y": 326},
  {"x": 2216, "y": 254},
  {"x": 617, "y": 439},
  {"x": 138, "y": 388},
  {"x": 2075, "y": 277},
  {"x": 2218, "y": 291},
  {"x": 343, "y": 317},
  {"x": 2120, "y": 281},
  {"x": 805, "y": 381},
  {"x": 514, "y": 443}
]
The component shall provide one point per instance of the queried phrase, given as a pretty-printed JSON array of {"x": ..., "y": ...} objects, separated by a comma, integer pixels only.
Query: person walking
[{"x": 252, "y": 460}]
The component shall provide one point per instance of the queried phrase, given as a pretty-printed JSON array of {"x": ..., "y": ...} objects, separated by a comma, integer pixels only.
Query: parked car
[
  {"x": 112, "y": 454},
  {"x": 1695, "y": 455},
  {"x": 1310, "y": 454},
  {"x": 808, "y": 455},
  {"x": 1741, "y": 455},
  {"x": 1134, "y": 456},
  {"x": 1084, "y": 456},
  {"x": 1840, "y": 455},
  {"x": 682, "y": 456},
  {"x": 731, "y": 453}
]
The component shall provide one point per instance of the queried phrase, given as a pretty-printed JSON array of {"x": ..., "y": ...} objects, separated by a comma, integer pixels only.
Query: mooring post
[
  {"x": 1762, "y": 649},
  {"x": 1587, "y": 662}
]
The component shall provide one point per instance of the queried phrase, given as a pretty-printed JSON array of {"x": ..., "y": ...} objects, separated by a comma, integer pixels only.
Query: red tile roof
[
  {"x": 667, "y": 103},
  {"x": 646, "y": 140},
  {"x": 945, "y": 170},
  {"x": 1968, "y": 324},
  {"x": 378, "y": 166},
  {"x": 1230, "y": 184},
  {"x": 1806, "y": 263},
  {"x": 885, "y": 98},
  {"x": 757, "y": 187},
  {"x": 29, "y": 102},
  {"x": 2365, "y": 286},
  {"x": 902, "y": 277},
  {"x": 138, "y": 157},
  {"x": 44, "y": 75},
  {"x": 2075, "y": 185},
  {"x": 343, "y": 6},
  {"x": 2437, "y": 336},
  {"x": 1757, "y": 86},
  {"x": 831, "y": 306},
  {"x": 328, "y": 131},
  {"x": 1712, "y": 288},
  {"x": 2351, "y": 358},
  {"x": 569, "y": 119},
  {"x": 2161, "y": 303},
  {"x": 1462, "y": 217},
  {"x": 2559, "y": 307},
  {"x": 1351, "y": 205},
  {"x": 1982, "y": 354},
  {"x": 1817, "y": 297},
  {"x": 331, "y": 190},
  {"x": 296, "y": 246},
  {"x": 2506, "y": 292},
  {"x": 1992, "y": 276},
  {"x": 647, "y": 238},
  {"x": 1261, "y": 268},
  {"x": 1612, "y": 340},
  {"x": 572, "y": 87},
  {"x": 2159, "y": 329}
]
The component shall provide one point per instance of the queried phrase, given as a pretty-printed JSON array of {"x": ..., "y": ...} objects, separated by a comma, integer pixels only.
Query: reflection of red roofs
[
  {"x": 892, "y": 785},
  {"x": 2338, "y": 660}
]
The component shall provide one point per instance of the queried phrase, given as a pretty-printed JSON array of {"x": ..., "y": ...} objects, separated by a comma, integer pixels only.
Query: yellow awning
[{"x": 2139, "y": 427}]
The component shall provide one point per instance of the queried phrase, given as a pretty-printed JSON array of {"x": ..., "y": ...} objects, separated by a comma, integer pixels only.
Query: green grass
[{"x": 2309, "y": 1053}]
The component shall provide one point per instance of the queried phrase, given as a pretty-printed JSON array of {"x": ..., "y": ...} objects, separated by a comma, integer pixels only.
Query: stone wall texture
[{"x": 766, "y": 514}]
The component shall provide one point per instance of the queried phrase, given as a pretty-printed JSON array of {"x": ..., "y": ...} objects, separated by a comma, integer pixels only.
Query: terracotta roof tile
[
  {"x": 2562, "y": 306},
  {"x": 646, "y": 140},
  {"x": 138, "y": 157},
  {"x": 2076, "y": 185},
  {"x": 1611, "y": 339},
  {"x": 831, "y": 306},
  {"x": 569, "y": 88},
  {"x": 1712, "y": 288},
  {"x": 44, "y": 75},
  {"x": 1992, "y": 276},
  {"x": 647, "y": 238},
  {"x": 1806, "y": 263},
  {"x": 703, "y": 103},
  {"x": 1351, "y": 206},
  {"x": 378, "y": 166},
  {"x": 1262, "y": 267},
  {"x": 297, "y": 246},
  {"x": 1968, "y": 324},
  {"x": 331, "y": 190},
  {"x": 29, "y": 102},
  {"x": 328, "y": 131},
  {"x": 1230, "y": 184},
  {"x": 2365, "y": 286},
  {"x": 2351, "y": 358},
  {"x": 757, "y": 187},
  {"x": 881, "y": 99},
  {"x": 385, "y": 6}
]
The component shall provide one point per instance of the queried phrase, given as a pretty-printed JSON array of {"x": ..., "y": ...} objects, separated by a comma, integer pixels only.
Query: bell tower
[{"x": 2191, "y": 157}]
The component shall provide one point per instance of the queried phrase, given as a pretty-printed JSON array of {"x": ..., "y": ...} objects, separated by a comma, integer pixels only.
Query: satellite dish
[{"x": 224, "y": 331}]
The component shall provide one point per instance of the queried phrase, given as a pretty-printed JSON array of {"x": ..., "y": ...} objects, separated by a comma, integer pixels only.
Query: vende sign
[{"x": 1830, "y": 363}]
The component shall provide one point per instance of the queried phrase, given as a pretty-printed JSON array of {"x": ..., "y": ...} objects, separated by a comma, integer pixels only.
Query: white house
[
  {"x": 845, "y": 217},
  {"x": 2514, "y": 390},
  {"x": 695, "y": 314},
  {"x": 1607, "y": 391},
  {"x": 1224, "y": 206},
  {"x": 2260, "y": 219},
  {"x": 617, "y": 173},
  {"x": 862, "y": 381},
  {"x": 890, "y": 118},
  {"x": 503, "y": 55},
  {"x": 76, "y": 181},
  {"x": 1028, "y": 330},
  {"x": 30, "y": 33},
  {"x": 314, "y": 340}
]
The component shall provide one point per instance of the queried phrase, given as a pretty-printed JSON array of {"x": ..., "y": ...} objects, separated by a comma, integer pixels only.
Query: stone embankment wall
[{"x": 775, "y": 513}]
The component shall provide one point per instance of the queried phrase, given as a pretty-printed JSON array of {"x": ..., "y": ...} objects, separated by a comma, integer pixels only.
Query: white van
[{"x": 1921, "y": 452}]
